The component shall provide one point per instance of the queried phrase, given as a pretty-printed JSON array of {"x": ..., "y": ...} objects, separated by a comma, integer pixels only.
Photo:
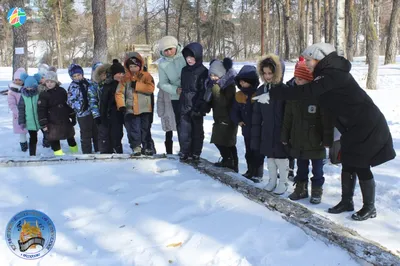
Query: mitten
[{"x": 263, "y": 98}]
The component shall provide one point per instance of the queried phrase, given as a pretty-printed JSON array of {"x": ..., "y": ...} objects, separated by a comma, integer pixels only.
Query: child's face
[
  {"x": 50, "y": 84},
  {"x": 268, "y": 75},
  {"x": 170, "y": 52},
  {"x": 244, "y": 84},
  {"x": 77, "y": 76},
  {"x": 214, "y": 77},
  {"x": 300, "y": 81},
  {"x": 18, "y": 82},
  {"x": 190, "y": 60},
  {"x": 134, "y": 69},
  {"x": 42, "y": 80},
  {"x": 118, "y": 77},
  {"x": 103, "y": 76},
  {"x": 311, "y": 63}
]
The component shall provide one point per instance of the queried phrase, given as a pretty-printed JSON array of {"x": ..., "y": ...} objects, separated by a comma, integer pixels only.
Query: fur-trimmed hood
[
  {"x": 99, "y": 71},
  {"x": 278, "y": 75}
]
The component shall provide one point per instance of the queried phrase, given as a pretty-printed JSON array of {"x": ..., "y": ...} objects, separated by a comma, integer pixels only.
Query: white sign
[{"x": 19, "y": 50}]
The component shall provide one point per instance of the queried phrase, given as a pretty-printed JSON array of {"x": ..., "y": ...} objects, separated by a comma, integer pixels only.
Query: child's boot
[
  {"x": 283, "y": 166},
  {"x": 24, "y": 146},
  {"x": 32, "y": 148},
  {"x": 59, "y": 153},
  {"x": 300, "y": 191},
  {"x": 137, "y": 151},
  {"x": 73, "y": 149},
  {"x": 316, "y": 195}
]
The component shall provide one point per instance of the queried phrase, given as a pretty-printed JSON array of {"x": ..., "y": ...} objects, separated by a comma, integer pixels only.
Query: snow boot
[
  {"x": 368, "y": 192},
  {"x": 32, "y": 148},
  {"x": 119, "y": 150},
  {"x": 291, "y": 175},
  {"x": 59, "y": 153},
  {"x": 168, "y": 146},
  {"x": 300, "y": 191},
  {"x": 348, "y": 185},
  {"x": 196, "y": 158},
  {"x": 183, "y": 157},
  {"x": 73, "y": 149},
  {"x": 24, "y": 146},
  {"x": 316, "y": 195},
  {"x": 282, "y": 185},
  {"x": 220, "y": 163},
  {"x": 137, "y": 151},
  {"x": 148, "y": 152}
]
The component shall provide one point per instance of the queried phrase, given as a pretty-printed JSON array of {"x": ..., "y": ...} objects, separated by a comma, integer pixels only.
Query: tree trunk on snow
[
  {"x": 198, "y": 39},
  {"x": 100, "y": 50},
  {"x": 286, "y": 17},
  {"x": 146, "y": 23},
  {"x": 341, "y": 28},
  {"x": 391, "y": 46},
  {"x": 332, "y": 11},
  {"x": 316, "y": 25},
  {"x": 326, "y": 20},
  {"x": 350, "y": 30},
  {"x": 301, "y": 9},
  {"x": 373, "y": 45},
  {"x": 20, "y": 39}
]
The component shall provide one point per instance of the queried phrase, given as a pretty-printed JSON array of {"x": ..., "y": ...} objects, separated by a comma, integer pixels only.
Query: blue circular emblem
[
  {"x": 16, "y": 17},
  {"x": 30, "y": 234}
]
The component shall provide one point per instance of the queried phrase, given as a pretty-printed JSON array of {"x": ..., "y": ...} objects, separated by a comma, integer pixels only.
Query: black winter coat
[
  {"x": 193, "y": 78},
  {"x": 108, "y": 106},
  {"x": 55, "y": 114},
  {"x": 366, "y": 139},
  {"x": 267, "y": 125}
]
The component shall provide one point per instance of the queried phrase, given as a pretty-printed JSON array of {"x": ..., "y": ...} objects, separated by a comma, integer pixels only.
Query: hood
[
  {"x": 135, "y": 55},
  {"x": 29, "y": 93},
  {"x": 332, "y": 61},
  {"x": 14, "y": 86},
  {"x": 248, "y": 73},
  {"x": 99, "y": 71},
  {"x": 278, "y": 75},
  {"x": 178, "y": 53},
  {"x": 197, "y": 51}
]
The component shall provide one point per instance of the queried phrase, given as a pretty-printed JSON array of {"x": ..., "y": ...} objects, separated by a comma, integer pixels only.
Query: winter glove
[
  {"x": 98, "y": 120},
  {"x": 73, "y": 121},
  {"x": 263, "y": 98},
  {"x": 122, "y": 109}
]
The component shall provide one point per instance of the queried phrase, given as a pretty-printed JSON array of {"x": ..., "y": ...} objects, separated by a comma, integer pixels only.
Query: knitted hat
[
  {"x": 319, "y": 50},
  {"x": 217, "y": 68},
  {"x": 75, "y": 69},
  {"x": 96, "y": 65},
  {"x": 116, "y": 67},
  {"x": 43, "y": 69},
  {"x": 167, "y": 42},
  {"x": 31, "y": 81},
  {"x": 133, "y": 61},
  {"x": 301, "y": 71},
  {"x": 51, "y": 76},
  {"x": 17, "y": 74}
]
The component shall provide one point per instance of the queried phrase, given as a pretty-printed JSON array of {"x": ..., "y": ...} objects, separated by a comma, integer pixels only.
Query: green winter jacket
[
  {"x": 28, "y": 106},
  {"x": 307, "y": 129},
  {"x": 169, "y": 72}
]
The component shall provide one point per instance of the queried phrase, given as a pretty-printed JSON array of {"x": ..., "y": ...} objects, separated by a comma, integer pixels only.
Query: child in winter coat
[
  {"x": 56, "y": 117},
  {"x": 133, "y": 98},
  {"x": 27, "y": 109},
  {"x": 78, "y": 99},
  {"x": 220, "y": 93},
  {"x": 112, "y": 121},
  {"x": 191, "y": 101},
  {"x": 306, "y": 131},
  {"x": 13, "y": 97},
  {"x": 42, "y": 70},
  {"x": 267, "y": 124},
  {"x": 242, "y": 110}
]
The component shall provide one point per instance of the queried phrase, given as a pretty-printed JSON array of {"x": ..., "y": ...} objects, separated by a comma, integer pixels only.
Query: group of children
[{"x": 122, "y": 95}]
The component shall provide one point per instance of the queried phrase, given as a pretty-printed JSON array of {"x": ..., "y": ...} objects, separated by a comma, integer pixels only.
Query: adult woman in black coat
[{"x": 366, "y": 140}]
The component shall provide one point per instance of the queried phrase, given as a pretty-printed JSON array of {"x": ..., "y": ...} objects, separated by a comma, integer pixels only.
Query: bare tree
[
  {"x": 146, "y": 23},
  {"x": 340, "y": 42},
  {"x": 166, "y": 12},
  {"x": 316, "y": 25},
  {"x": 391, "y": 46},
  {"x": 20, "y": 40},
  {"x": 373, "y": 43},
  {"x": 198, "y": 33},
  {"x": 100, "y": 50},
  {"x": 286, "y": 17},
  {"x": 350, "y": 29},
  {"x": 332, "y": 10},
  {"x": 301, "y": 10},
  {"x": 266, "y": 23},
  {"x": 307, "y": 23}
]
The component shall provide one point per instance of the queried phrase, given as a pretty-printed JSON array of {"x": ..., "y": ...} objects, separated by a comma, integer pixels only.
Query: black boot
[
  {"x": 300, "y": 191},
  {"x": 249, "y": 172},
  {"x": 368, "y": 192},
  {"x": 32, "y": 148},
  {"x": 348, "y": 185},
  {"x": 24, "y": 146},
  {"x": 119, "y": 149},
  {"x": 168, "y": 146}
]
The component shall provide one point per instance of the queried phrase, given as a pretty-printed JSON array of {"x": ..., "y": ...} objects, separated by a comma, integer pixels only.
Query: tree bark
[
  {"x": 391, "y": 46},
  {"x": 166, "y": 12},
  {"x": 373, "y": 44},
  {"x": 326, "y": 20},
  {"x": 340, "y": 42},
  {"x": 350, "y": 29},
  {"x": 180, "y": 19},
  {"x": 100, "y": 50},
  {"x": 198, "y": 24},
  {"x": 301, "y": 9},
  {"x": 332, "y": 10},
  {"x": 146, "y": 23},
  {"x": 316, "y": 26},
  {"x": 20, "y": 40},
  {"x": 279, "y": 29},
  {"x": 286, "y": 17},
  {"x": 266, "y": 24},
  {"x": 307, "y": 32},
  {"x": 58, "y": 18}
]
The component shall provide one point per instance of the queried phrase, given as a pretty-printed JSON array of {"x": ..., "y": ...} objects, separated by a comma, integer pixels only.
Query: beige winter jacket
[{"x": 165, "y": 111}]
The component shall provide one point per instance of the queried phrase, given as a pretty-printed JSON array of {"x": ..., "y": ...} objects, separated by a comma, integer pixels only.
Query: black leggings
[
  {"x": 55, "y": 145},
  {"x": 362, "y": 173}
]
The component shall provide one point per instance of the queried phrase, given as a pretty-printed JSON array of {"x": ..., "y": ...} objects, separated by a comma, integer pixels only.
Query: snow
[{"x": 128, "y": 212}]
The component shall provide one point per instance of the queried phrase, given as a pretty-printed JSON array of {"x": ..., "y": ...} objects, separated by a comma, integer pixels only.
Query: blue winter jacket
[{"x": 78, "y": 97}]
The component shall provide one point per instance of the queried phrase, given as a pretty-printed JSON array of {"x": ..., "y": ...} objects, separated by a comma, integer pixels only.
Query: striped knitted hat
[{"x": 301, "y": 71}]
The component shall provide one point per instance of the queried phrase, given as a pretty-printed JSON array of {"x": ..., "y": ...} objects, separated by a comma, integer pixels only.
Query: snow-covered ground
[{"x": 127, "y": 213}]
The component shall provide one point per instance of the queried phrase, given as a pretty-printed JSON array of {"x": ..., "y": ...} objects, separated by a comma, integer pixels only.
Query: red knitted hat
[{"x": 301, "y": 71}]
